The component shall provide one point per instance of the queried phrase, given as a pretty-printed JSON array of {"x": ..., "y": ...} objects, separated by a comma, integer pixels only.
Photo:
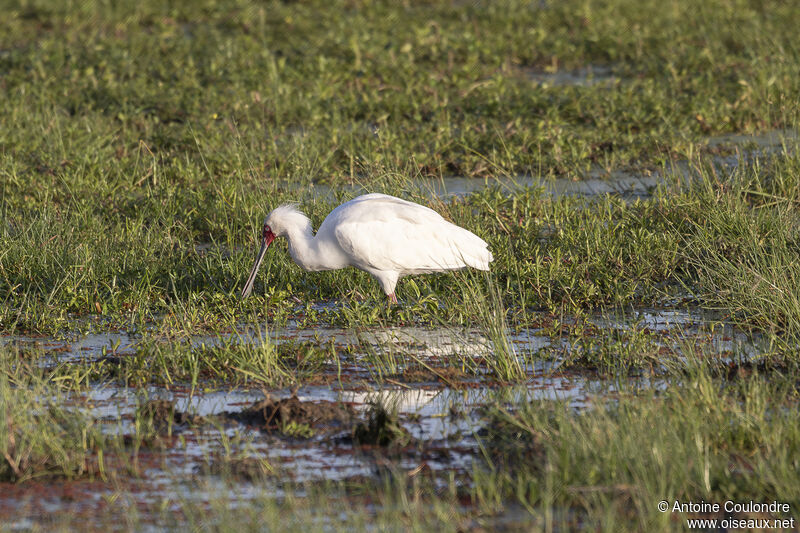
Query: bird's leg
[{"x": 392, "y": 298}]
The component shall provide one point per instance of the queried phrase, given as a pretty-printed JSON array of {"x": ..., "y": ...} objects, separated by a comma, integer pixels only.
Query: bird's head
[
  {"x": 285, "y": 218},
  {"x": 279, "y": 223}
]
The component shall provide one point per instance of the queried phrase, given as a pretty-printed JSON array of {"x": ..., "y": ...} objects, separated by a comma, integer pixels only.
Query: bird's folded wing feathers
[{"x": 405, "y": 237}]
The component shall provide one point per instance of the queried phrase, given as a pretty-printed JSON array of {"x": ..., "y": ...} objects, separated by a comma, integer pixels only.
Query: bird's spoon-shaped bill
[{"x": 248, "y": 287}]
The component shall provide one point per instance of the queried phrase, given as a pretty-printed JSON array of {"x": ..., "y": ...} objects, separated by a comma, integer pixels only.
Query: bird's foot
[{"x": 392, "y": 298}]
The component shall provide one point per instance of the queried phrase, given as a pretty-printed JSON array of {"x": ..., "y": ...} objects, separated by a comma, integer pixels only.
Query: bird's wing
[{"x": 389, "y": 234}]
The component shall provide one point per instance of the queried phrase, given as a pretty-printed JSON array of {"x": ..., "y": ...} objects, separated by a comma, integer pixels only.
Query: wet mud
[
  {"x": 428, "y": 417},
  {"x": 273, "y": 414}
]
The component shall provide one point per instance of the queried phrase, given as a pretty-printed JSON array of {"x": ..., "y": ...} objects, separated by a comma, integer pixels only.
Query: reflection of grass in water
[
  {"x": 545, "y": 464},
  {"x": 382, "y": 426}
]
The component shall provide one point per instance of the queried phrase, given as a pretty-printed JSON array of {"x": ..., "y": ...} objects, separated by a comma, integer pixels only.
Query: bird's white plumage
[
  {"x": 387, "y": 233},
  {"x": 383, "y": 235}
]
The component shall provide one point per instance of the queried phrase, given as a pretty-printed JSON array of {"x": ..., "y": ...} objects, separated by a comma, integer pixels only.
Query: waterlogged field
[{"x": 632, "y": 164}]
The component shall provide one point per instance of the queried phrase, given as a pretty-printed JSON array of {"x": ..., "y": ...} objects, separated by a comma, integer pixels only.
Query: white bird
[{"x": 379, "y": 234}]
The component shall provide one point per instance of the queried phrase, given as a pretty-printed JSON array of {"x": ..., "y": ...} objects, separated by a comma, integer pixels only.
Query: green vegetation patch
[
  {"x": 698, "y": 439},
  {"x": 138, "y": 95}
]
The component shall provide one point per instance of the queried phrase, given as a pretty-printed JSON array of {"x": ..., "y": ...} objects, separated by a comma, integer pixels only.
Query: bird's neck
[{"x": 304, "y": 248}]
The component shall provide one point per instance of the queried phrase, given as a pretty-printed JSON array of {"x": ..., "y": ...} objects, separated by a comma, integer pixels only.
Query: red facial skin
[{"x": 266, "y": 235}]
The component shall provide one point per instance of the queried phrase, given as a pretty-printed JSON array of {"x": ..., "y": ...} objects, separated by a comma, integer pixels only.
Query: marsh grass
[
  {"x": 484, "y": 303},
  {"x": 564, "y": 256},
  {"x": 743, "y": 250},
  {"x": 142, "y": 145},
  {"x": 39, "y": 436},
  {"x": 392, "y": 504},
  {"x": 384, "y": 357},
  {"x": 133, "y": 203},
  {"x": 620, "y": 350},
  {"x": 697, "y": 439},
  {"x": 546, "y": 464},
  {"x": 233, "y": 360},
  {"x": 443, "y": 85}
]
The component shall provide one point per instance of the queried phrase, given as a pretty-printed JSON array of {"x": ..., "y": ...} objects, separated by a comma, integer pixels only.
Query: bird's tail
[{"x": 476, "y": 253}]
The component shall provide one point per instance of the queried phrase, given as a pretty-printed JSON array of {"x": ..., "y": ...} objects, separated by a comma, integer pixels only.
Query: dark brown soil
[
  {"x": 381, "y": 429},
  {"x": 272, "y": 414},
  {"x": 424, "y": 375},
  {"x": 245, "y": 468}
]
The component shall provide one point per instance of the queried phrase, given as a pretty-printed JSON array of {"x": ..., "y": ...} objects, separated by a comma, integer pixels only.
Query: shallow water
[
  {"x": 717, "y": 336},
  {"x": 419, "y": 343},
  {"x": 629, "y": 184},
  {"x": 580, "y": 77},
  {"x": 423, "y": 342},
  {"x": 444, "y": 419}
]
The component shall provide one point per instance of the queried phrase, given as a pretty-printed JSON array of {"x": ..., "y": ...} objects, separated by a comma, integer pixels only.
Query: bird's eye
[{"x": 266, "y": 230}]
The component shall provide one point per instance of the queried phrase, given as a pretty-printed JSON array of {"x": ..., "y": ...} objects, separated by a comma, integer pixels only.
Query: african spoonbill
[{"x": 379, "y": 234}]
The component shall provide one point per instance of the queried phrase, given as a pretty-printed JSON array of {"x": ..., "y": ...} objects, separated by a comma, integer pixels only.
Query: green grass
[
  {"x": 742, "y": 254},
  {"x": 142, "y": 145},
  {"x": 43, "y": 439},
  {"x": 39, "y": 435},
  {"x": 696, "y": 440},
  {"x": 546, "y": 465},
  {"x": 717, "y": 241},
  {"x": 150, "y": 88},
  {"x": 135, "y": 133}
]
